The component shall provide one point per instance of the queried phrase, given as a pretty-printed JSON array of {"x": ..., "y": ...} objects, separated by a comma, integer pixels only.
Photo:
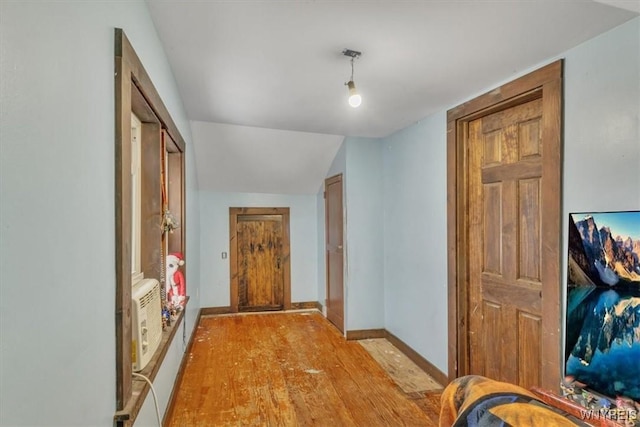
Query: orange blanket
[{"x": 476, "y": 401}]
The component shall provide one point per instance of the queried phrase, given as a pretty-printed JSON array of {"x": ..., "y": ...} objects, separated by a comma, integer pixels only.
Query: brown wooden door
[
  {"x": 504, "y": 269},
  {"x": 260, "y": 282},
  {"x": 504, "y": 231},
  {"x": 334, "y": 256},
  {"x": 260, "y": 259}
]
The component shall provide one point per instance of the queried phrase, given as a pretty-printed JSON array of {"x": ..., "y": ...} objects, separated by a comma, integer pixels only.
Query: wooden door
[
  {"x": 504, "y": 232},
  {"x": 505, "y": 289},
  {"x": 334, "y": 256},
  {"x": 260, "y": 259}
]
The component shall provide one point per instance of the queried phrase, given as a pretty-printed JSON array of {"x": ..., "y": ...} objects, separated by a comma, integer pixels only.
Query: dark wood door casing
[
  {"x": 545, "y": 85},
  {"x": 334, "y": 251},
  {"x": 244, "y": 225}
]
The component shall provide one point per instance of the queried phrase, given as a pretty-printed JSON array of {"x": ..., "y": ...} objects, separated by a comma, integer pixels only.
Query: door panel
[
  {"x": 334, "y": 253},
  {"x": 530, "y": 238},
  {"x": 505, "y": 208},
  {"x": 260, "y": 275},
  {"x": 529, "y": 344}
]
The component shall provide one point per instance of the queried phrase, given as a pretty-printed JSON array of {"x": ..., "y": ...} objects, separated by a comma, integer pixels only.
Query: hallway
[{"x": 287, "y": 369}]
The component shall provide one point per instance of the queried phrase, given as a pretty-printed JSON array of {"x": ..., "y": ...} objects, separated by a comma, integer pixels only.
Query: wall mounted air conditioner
[{"x": 146, "y": 318}]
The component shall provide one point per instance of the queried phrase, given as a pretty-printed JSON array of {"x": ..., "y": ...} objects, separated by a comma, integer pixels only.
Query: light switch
[{"x": 224, "y": 255}]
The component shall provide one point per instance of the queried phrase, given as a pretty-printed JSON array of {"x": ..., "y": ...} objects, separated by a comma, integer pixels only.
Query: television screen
[{"x": 603, "y": 302}]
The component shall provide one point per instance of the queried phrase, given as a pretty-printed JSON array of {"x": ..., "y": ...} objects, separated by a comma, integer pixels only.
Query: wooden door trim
[
  {"x": 544, "y": 83},
  {"x": 233, "y": 251},
  {"x": 338, "y": 178}
]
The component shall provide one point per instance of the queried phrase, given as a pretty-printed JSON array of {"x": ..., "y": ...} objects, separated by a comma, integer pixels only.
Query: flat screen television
[{"x": 602, "y": 337}]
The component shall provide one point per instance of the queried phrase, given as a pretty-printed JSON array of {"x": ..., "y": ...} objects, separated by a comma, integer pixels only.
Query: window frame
[{"x": 135, "y": 93}]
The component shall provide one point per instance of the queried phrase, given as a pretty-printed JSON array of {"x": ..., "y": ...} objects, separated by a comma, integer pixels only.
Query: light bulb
[{"x": 354, "y": 98}]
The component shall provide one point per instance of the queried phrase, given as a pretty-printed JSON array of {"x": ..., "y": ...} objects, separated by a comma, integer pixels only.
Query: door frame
[
  {"x": 233, "y": 251},
  {"x": 328, "y": 181},
  {"x": 544, "y": 83}
]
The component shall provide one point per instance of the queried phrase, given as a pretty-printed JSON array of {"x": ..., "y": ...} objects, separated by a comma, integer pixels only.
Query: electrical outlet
[{"x": 224, "y": 255}]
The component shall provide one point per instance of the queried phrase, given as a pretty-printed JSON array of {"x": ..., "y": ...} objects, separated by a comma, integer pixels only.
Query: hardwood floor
[{"x": 288, "y": 369}]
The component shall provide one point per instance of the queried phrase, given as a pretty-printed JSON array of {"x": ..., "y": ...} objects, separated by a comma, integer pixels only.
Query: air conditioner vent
[{"x": 147, "y": 298}]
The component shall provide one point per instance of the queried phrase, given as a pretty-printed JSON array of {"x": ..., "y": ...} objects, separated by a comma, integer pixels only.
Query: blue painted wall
[
  {"x": 57, "y": 251},
  {"x": 415, "y": 237},
  {"x": 364, "y": 240},
  {"x": 214, "y": 226}
]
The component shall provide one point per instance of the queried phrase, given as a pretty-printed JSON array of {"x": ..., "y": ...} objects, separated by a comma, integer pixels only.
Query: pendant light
[{"x": 354, "y": 97}]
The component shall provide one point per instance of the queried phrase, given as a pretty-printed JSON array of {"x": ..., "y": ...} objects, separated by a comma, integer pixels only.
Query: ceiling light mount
[
  {"x": 352, "y": 53},
  {"x": 354, "y": 97}
]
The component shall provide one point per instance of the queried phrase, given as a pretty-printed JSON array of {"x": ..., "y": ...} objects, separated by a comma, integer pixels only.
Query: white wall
[
  {"x": 601, "y": 171},
  {"x": 57, "y": 250},
  {"x": 364, "y": 240},
  {"x": 214, "y": 225}
]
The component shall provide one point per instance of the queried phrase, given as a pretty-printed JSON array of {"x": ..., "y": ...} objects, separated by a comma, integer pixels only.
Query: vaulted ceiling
[{"x": 278, "y": 65}]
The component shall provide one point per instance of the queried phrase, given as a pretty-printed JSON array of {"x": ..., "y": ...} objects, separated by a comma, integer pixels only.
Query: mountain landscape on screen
[{"x": 603, "y": 302}]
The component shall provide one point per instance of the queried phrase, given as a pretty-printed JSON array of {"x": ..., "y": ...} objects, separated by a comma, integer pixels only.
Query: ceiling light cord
[{"x": 352, "y": 58}]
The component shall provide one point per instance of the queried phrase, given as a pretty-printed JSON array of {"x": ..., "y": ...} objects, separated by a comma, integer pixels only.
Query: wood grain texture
[
  {"x": 363, "y": 334},
  {"x": 505, "y": 207},
  {"x": 404, "y": 372},
  {"x": 414, "y": 356},
  {"x": 237, "y": 249},
  {"x": 175, "y": 194},
  {"x": 520, "y": 125},
  {"x": 511, "y": 91},
  {"x": 151, "y": 202},
  {"x": 287, "y": 369},
  {"x": 207, "y": 311},
  {"x": 123, "y": 208},
  {"x": 333, "y": 199},
  {"x": 306, "y": 305},
  {"x": 551, "y": 229},
  {"x": 260, "y": 274}
]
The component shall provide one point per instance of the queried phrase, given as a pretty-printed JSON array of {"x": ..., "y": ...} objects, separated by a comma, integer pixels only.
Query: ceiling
[{"x": 278, "y": 64}]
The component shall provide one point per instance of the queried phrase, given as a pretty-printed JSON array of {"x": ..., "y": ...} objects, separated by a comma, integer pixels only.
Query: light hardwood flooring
[
  {"x": 404, "y": 372},
  {"x": 288, "y": 369}
]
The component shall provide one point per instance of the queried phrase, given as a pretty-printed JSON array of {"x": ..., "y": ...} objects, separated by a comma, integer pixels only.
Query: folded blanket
[{"x": 476, "y": 401}]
